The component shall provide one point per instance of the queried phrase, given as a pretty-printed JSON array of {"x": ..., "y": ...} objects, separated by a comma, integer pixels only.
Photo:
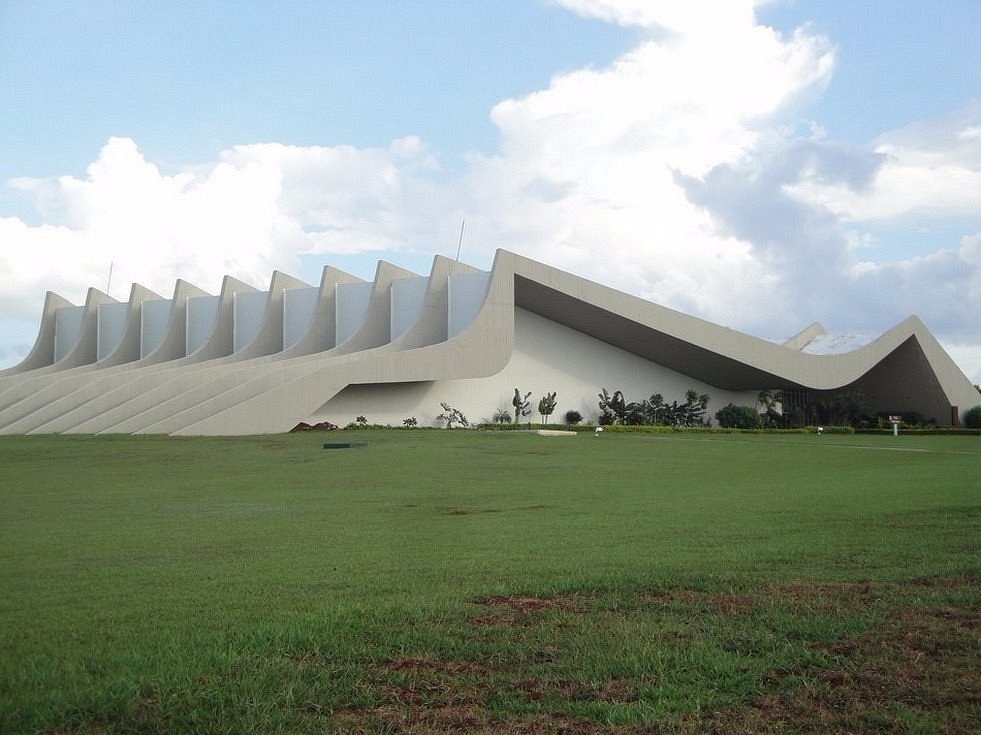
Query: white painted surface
[
  {"x": 154, "y": 319},
  {"x": 476, "y": 371},
  {"x": 466, "y": 295},
  {"x": 407, "y": 297},
  {"x": 68, "y": 328},
  {"x": 201, "y": 314},
  {"x": 110, "y": 324},
  {"x": 298, "y": 307},
  {"x": 248, "y": 311},
  {"x": 352, "y": 301},
  {"x": 547, "y": 357},
  {"x": 837, "y": 344}
]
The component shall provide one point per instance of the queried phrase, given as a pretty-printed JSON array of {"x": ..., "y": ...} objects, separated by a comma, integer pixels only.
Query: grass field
[{"x": 465, "y": 581}]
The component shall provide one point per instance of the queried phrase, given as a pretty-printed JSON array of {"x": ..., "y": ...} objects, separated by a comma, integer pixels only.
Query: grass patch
[{"x": 489, "y": 582}]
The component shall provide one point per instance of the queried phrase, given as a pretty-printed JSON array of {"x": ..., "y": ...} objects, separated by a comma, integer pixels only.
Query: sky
[{"x": 762, "y": 166}]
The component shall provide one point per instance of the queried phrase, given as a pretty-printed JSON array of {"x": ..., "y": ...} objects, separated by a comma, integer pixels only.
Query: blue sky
[
  {"x": 186, "y": 79},
  {"x": 608, "y": 137}
]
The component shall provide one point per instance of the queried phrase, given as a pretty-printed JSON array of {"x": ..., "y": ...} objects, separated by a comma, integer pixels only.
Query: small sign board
[{"x": 895, "y": 420}]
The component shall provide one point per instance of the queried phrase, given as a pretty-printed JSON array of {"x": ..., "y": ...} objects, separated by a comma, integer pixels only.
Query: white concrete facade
[{"x": 248, "y": 361}]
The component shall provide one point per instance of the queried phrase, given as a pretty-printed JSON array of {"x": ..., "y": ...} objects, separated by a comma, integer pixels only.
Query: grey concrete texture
[{"x": 262, "y": 388}]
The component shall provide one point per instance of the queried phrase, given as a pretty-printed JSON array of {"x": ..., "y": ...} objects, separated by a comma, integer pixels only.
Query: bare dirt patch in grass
[
  {"x": 806, "y": 595},
  {"x": 425, "y": 664},
  {"x": 456, "y": 720},
  {"x": 522, "y": 610},
  {"x": 612, "y": 691},
  {"x": 918, "y": 668},
  {"x": 914, "y": 669}
]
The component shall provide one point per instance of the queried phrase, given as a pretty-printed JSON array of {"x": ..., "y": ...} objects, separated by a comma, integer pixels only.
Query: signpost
[{"x": 894, "y": 420}]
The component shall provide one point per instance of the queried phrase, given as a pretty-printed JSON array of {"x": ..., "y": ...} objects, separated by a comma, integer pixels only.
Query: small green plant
[
  {"x": 361, "y": 421},
  {"x": 521, "y": 405},
  {"x": 501, "y": 416},
  {"x": 693, "y": 410},
  {"x": 452, "y": 416},
  {"x": 546, "y": 406},
  {"x": 768, "y": 402},
  {"x": 613, "y": 408},
  {"x": 410, "y": 422}
]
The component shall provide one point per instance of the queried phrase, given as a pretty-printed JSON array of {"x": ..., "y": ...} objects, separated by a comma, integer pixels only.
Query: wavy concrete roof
[{"x": 402, "y": 328}]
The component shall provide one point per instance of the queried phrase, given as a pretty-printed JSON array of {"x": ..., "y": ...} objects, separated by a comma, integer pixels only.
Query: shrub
[
  {"x": 501, "y": 416},
  {"x": 573, "y": 417},
  {"x": 452, "y": 416},
  {"x": 546, "y": 406},
  {"x": 738, "y": 417},
  {"x": 613, "y": 409},
  {"x": 521, "y": 405},
  {"x": 972, "y": 419}
]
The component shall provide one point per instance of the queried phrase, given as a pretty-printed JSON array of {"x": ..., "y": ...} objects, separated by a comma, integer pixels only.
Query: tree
[
  {"x": 653, "y": 409},
  {"x": 767, "y": 401},
  {"x": 452, "y": 416},
  {"x": 613, "y": 409},
  {"x": 521, "y": 405},
  {"x": 738, "y": 417},
  {"x": 692, "y": 412},
  {"x": 972, "y": 419},
  {"x": 546, "y": 406}
]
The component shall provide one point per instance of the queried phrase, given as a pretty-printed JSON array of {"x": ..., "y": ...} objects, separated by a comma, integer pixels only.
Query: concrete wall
[
  {"x": 298, "y": 308},
  {"x": 154, "y": 320},
  {"x": 407, "y": 297},
  {"x": 248, "y": 313},
  {"x": 237, "y": 363},
  {"x": 466, "y": 297},
  {"x": 202, "y": 312},
  {"x": 111, "y": 325},
  {"x": 68, "y": 330},
  {"x": 351, "y": 308},
  {"x": 547, "y": 357}
]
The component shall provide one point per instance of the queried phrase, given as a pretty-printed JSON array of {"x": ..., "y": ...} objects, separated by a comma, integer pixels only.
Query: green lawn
[{"x": 467, "y": 581}]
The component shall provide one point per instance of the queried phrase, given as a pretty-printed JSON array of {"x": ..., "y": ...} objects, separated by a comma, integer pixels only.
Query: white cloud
[
  {"x": 680, "y": 17},
  {"x": 968, "y": 358},
  {"x": 604, "y": 145},
  {"x": 932, "y": 170},
  {"x": 673, "y": 173},
  {"x": 348, "y": 200},
  {"x": 152, "y": 227},
  {"x": 254, "y": 210}
]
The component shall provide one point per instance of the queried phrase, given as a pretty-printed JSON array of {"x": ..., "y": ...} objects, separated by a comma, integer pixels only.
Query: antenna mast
[{"x": 460, "y": 243}]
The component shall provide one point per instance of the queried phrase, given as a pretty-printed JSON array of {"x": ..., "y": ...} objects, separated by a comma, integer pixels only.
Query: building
[{"x": 249, "y": 362}]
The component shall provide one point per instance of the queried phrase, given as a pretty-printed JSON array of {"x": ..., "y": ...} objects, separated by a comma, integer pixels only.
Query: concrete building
[{"x": 248, "y": 362}]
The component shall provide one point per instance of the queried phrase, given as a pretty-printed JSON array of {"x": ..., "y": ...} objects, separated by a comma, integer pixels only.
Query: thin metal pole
[
  {"x": 460, "y": 243},
  {"x": 109, "y": 282}
]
